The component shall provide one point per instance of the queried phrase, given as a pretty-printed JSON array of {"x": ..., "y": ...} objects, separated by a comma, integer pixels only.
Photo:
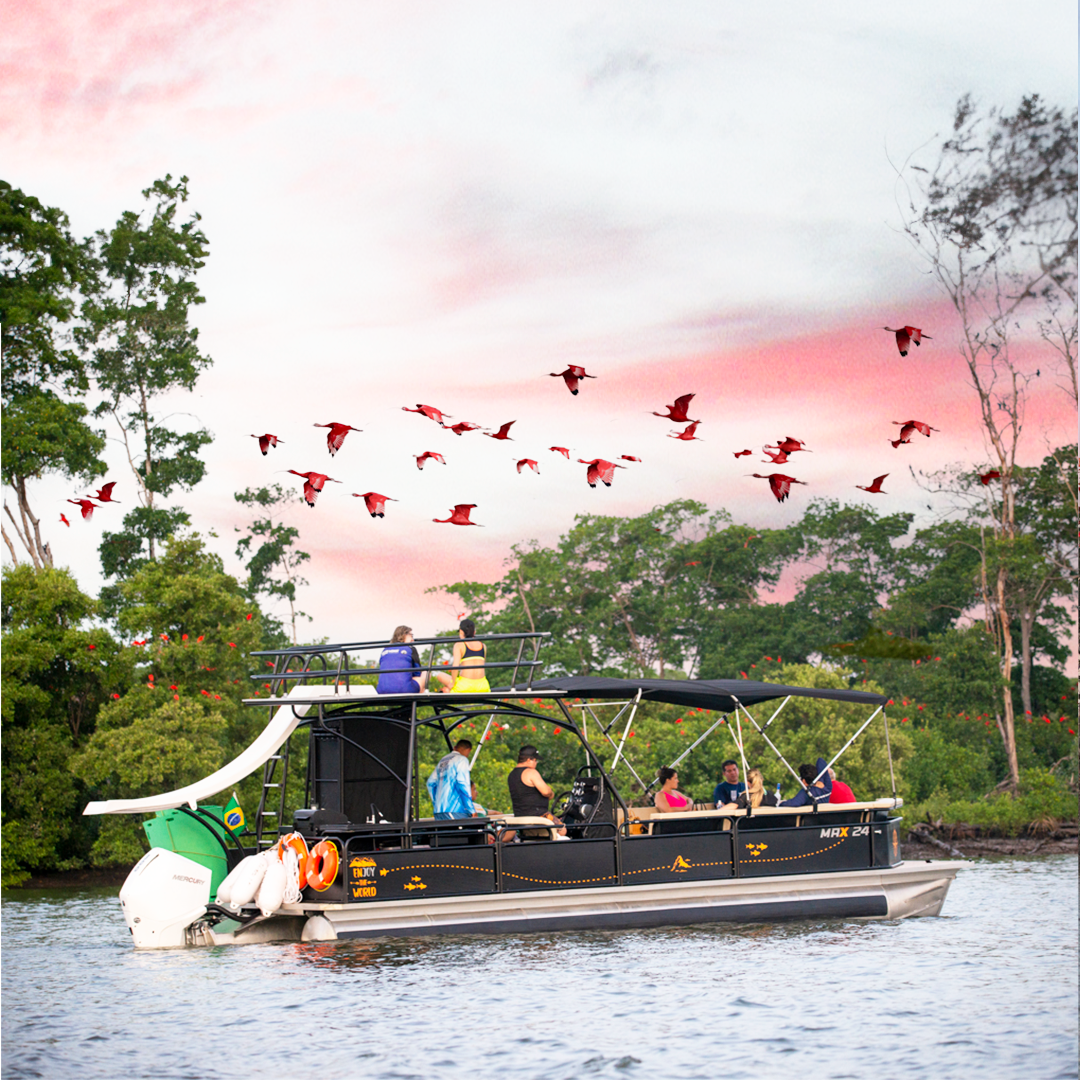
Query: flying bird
[
  {"x": 630, "y": 457},
  {"x": 677, "y": 412},
  {"x": 532, "y": 465},
  {"x": 104, "y": 494},
  {"x": 375, "y": 503},
  {"x": 599, "y": 469},
  {"x": 875, "y": 487},
  {"x": 65, "y": 521},
  {"x": 503, "y": 432},
  {"x": 86, "y": 506},
  {"x": 779, "y": 458},
  {"x": 906, "y": 335},
  {"x": 461, "y": 428},
  {"x": 742, "y": 453},
  {"x": 986, "y": 477},
  {"x": 564, "y": 450},
  {"x": 430, "y": 412},
  {"x": 571, "y": 376},
  {"x": 421, "y": 459},
  {"x": 687, "y": 432},
  {"x": 313, "y": 484},
  {"x": 779, "y": 483},
  {"x": 266, "y": 441},
  {"x": 790, "y": 445},
  {"x": 908, "y": 428},
  {"x": 336, "y": 435},
  {"x": 459, "y": 516}
]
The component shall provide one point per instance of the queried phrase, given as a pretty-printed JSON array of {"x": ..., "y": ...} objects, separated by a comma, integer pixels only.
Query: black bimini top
[{"x": 719, "y": 695}]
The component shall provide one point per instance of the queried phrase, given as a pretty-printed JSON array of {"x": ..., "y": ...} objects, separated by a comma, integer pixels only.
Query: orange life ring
[
  {"x": 299, "y": 845},
  {"x": 322, "y": 865}
]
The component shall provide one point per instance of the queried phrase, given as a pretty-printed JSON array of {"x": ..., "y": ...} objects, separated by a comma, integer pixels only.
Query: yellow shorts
[{"x": 470, "y": 686}]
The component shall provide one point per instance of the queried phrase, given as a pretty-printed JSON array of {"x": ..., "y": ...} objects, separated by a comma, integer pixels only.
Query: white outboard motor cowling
[{"x": 163, "y": 895}]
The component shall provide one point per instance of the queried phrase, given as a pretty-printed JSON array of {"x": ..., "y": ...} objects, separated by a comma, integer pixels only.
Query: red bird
[
  {"x": 677, "y": 412},
  {"x": 430, "y": 412},
  {"x": 630, "y": 457},
  {"x": 535, "y": 466},
  {"x": 266, "y": 441},
  {"x": 780, "y": 484},
  {"x": 986, "y": 477},
  {"x": 65, "y": 521},
  {"x": 908, "y": 428},
  {"x": 906, "y": 335},
  {"x": 336, "y": 435},
  {"x": 790, "y": 445},
  {"x": 564, "y": 450},
  {"x": 743, "y": 453},
  {"x": 502, "y": 433},
  {"x": 459, "y": 516},
  {"x": 104, "y": 494},
  {"x": 86, "y": 505},
  {"x": 687, "y": 433},
  {"x": 375, "y": 503},
  {"x": 875, "y": 487},
  {"x": 571, "y": 376},
  {"x": 599, "y": 469},
  {"x": 465, "y": 425},
  {"x": 313, "y": 484},
  {"x": 779, "y": 458},
  {"x": 421, "y": 459}
]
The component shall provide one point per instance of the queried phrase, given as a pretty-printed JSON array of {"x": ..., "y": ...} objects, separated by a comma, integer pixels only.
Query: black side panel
[
  {"x": 649, "y": 860},
  {"x": 886, "y": 841},
  {"x": 416, "y": 875},
  {"x": 805, "y": 850},
  {"x": 676, "y": 825},
  {"x": 558, "y": 864},
  {"x": 345, "y": 772}
]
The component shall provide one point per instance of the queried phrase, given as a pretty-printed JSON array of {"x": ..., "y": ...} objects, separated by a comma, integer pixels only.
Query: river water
[{"x": 989, "y": 988}]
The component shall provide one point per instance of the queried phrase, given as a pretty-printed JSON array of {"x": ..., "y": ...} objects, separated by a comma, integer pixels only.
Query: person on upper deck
[
  {"x": 814, "y": 790},
  {"x": 669, "y": 800},
  {"x": 450, "y": 786},
  {"x": 468, "y": 662},
  {"x": 755, "y": 794},
  {"x": 730, "y": 788},
  {"x": 529, "y": 793},
  {"x": 399, "y": 665},
  {"x": 840, "y": 791}
]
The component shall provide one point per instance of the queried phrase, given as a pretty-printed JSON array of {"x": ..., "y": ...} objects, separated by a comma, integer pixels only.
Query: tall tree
[
  {"x": 995, "y": 219},
  {"x": 142, "y": 345},
  {"x": 42, "y": 269}
]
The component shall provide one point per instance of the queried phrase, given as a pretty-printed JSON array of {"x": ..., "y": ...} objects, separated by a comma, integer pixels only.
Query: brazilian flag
[{"x": 234, "y": 816}]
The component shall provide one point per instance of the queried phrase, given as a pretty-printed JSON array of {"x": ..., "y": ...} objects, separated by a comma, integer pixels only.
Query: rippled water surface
[{"x": 989, "y": 988}]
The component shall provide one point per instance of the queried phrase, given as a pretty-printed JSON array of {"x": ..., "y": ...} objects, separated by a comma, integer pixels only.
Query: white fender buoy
[
  {"x": 272, "y": 888},
  {"x": 243, "y": 883}
]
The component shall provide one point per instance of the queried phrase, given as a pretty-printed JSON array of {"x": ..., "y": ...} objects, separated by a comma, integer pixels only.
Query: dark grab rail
[{"x": 358, "y": 646}]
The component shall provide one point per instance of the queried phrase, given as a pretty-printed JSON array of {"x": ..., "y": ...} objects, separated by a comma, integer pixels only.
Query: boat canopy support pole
[
  {"x": 694, "y": 745},
  {"x": 411, "y": 796},
  {"x": 848, "y": 743},
  {"x": 772, "y": 745},
  {"x": 476, "y": 752},
  {"x": 589, "y": 754},
  {"x": 888, "y": 750},
  {"x": 631, "y": 704},
  {"x": 626, "y": 730},
  {"x": 745, "y": 768}
]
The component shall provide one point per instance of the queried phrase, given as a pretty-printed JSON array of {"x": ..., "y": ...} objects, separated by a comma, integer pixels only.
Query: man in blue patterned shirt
[{"x": 450, "y": 786}]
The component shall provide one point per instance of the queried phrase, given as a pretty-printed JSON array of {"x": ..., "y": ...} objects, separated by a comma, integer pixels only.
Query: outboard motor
[{"x": 163, "y": 895}]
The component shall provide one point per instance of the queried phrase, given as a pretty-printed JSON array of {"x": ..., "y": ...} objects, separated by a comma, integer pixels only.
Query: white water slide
[{"x": 273, "y": 736}]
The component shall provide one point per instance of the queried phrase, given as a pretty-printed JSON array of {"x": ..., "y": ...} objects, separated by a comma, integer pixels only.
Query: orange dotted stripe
[
  {"x": 438, "y": 866},
  {"x": 689, "y": 866},
  {"x": 788, "y": 858},
  {"x": 547, "y": 881}
]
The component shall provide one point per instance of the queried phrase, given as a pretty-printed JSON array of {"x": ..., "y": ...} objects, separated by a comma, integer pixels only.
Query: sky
[{"x": 443, "y": 203}]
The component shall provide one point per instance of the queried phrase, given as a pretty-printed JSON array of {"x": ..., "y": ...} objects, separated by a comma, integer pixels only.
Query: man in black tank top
[{"x": 529, "y": 794}]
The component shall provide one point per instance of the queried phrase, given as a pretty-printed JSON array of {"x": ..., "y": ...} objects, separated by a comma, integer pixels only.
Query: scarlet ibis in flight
[
  {"x": 908, "y": 428},
  {"x": 779, "y": 458},
  {"x": 85, "y": 505},
  {"x": 535, "y": 466},
  {"x": 779, "y": 483},
  {"x": 630, "y": 457},
  {"x": 422, "y": 459},
  {"x": 65, "y": 521},
  {"x": 459, "y": 516},
  {"x": 790, "y": 445},
  {"x": 601, "y": 470},
  {"x": 104, "y": 494},
  {"x": 336, "y": 435},
  {"x": 742, "y": 453},
  {"x": 375, "y": 503},
  {"x": 906, "y": 335},
  {"x": 266, "y": 441},
  {"x": 677, "y": 412},
  {"x": 503, "y": 432},
  {"x": 687, "y": 432},
  {"x": 875, "y": 487},
  {"x": 313, "y": 484},
  {"x": 564, "y": 450},
  {"x": 571, "y": 376},
  {"x": 430, "y": 412},
  {"x": 986, "y": 477},
  {"x": 461, "y": 428}
]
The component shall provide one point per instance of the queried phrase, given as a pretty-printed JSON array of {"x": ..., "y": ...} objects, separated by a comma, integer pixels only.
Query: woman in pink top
[{"x": 668, "y": 799}]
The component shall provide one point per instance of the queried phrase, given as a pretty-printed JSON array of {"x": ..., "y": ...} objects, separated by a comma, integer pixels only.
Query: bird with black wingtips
[
  {"x": 503, "y": 432},
  {"x": 104, "y": 493},
  {"x": 875, "y": 487},
  {"x": 429, "y": 455},
  {"x": 375, "y": 503},
  {"x": 779, "y": 484},
  {"x": 463, "y": 426},
  {"x": 906, "y": 335},
  {"x": 313, "y": 484},
  {"x": 573, "y": 374},
  {"x": 459, "y": 516},
  {"x": 336, "y": 435},
  {"x": 908, "y": 428},
  {"x": 430, "y": 412},
  {"x": 564, "y": 450},
  {"x": 600, "y": 470},
  {"x": 688, "y": 433},
  {"x": 678, "y": 412},
  {"x": 535, "y": 466},
  {"x": 266, "y": 441}
]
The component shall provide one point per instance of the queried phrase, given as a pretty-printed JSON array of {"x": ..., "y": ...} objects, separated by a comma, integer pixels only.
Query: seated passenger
[
  {"x": 814, "y": 790},
  {"x": 399, "y": 665},
  {"x": 755, "y": 794},
  {"x": 840, "y": 791},
  {"x": 529, "y": 794},
  {"x": 730, "y": 788},
  {"x": 468, "y": 662},
  {"x": 450, "y": 787},
  {"x": 669, "y": 800}
]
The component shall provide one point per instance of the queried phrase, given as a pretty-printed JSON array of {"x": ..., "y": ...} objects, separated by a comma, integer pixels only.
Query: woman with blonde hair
[{"x": 755, "y": 794}]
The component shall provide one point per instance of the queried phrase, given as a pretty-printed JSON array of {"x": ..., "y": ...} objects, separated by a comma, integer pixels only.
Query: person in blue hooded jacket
[
  {"x": 814, "y": 790},
  {"x": 399, "y": 667}
]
